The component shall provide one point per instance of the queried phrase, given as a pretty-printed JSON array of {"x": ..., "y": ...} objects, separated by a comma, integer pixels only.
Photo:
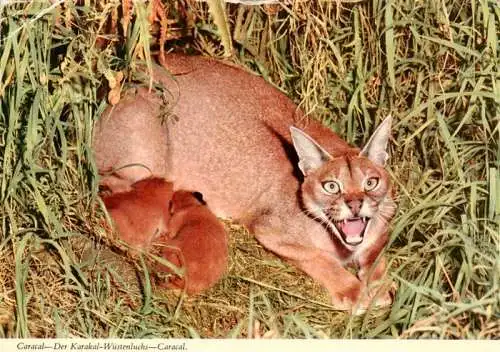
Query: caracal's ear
[
  {"x": 311, "y": 154},
  {"x": 376, "y": 148}
]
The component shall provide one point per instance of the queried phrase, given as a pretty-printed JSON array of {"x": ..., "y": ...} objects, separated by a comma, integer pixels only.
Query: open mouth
[{"x": 352, "y": 230}]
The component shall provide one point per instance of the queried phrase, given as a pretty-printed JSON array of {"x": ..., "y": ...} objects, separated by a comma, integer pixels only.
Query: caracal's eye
[
  {"x": 371, "y": 183},
  {"x": 332, "y": 187}
]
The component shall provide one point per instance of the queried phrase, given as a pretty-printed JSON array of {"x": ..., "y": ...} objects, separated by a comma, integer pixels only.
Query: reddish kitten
[
  {"x": 141, "y": 214},
  {"x": 199, "y": 243}
]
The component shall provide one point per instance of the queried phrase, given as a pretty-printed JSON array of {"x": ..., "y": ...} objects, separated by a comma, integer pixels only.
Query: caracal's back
[{"x": 228, "y": 136}]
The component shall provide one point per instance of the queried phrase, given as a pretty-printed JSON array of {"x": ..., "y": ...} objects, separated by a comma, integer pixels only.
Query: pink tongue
[{"x": 353, "y": 227}]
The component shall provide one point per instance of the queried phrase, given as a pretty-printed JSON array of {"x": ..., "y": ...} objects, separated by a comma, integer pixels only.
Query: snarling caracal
[{"x": 300, "y": 189}]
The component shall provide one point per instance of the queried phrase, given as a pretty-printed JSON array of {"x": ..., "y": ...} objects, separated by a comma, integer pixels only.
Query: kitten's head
[
  {"x": 350, "y": 194},
  {"x": 185, "y": 199}
]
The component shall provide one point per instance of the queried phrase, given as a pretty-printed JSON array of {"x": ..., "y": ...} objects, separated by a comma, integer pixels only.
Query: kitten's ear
[
  {"x": 376, "y": 148},
  {"x": 311, "y": 154},
  {"x": 199, "y": 197}
]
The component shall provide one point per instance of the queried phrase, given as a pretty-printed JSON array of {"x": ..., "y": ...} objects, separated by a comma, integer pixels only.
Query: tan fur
[
  {"x": 196, "y": 241},
  {"x": 231, "y": 140},
  {"x": 141, "y": 213}
]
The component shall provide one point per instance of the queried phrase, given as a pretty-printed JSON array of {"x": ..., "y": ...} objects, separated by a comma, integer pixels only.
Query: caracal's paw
[
  {"x": 342, "y": 303},
  {"x": 379, "y": 295},
  {"x": 353, "y": 307}
]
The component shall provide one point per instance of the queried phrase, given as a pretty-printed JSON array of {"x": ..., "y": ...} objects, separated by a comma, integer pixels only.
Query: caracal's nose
[{"x": 355, "y": 206}]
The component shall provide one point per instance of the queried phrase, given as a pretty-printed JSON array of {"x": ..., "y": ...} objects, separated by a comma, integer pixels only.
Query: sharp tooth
[
  {"x": 345, "y": 221},
  {"x": 364, "y": 218}
]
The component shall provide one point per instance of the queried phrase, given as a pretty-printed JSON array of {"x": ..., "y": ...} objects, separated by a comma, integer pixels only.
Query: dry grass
[{"x": 433, "y": 65}]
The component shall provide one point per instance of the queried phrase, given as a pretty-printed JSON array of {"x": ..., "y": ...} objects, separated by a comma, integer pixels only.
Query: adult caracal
[{"x": 310, "y": 198}]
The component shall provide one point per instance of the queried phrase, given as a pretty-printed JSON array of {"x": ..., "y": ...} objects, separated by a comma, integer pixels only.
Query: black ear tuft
[
  {"x": 376, "y": 148},
  {"x": 199, "y": 197},
  {"x": 311, "y": 155}
]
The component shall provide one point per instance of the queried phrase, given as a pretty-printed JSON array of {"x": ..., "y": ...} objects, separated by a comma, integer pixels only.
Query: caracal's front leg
[
  {"x": 343, "y": 287},
  {"x": 372, "y": 274},
  {"x": 305, "y": 243}
]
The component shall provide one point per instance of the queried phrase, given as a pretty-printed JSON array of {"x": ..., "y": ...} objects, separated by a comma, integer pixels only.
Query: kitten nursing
[
  {"x": 149, "y": 214},
  {"x": 141, "y": 213},
  {"x": 199, "y": 243}
]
